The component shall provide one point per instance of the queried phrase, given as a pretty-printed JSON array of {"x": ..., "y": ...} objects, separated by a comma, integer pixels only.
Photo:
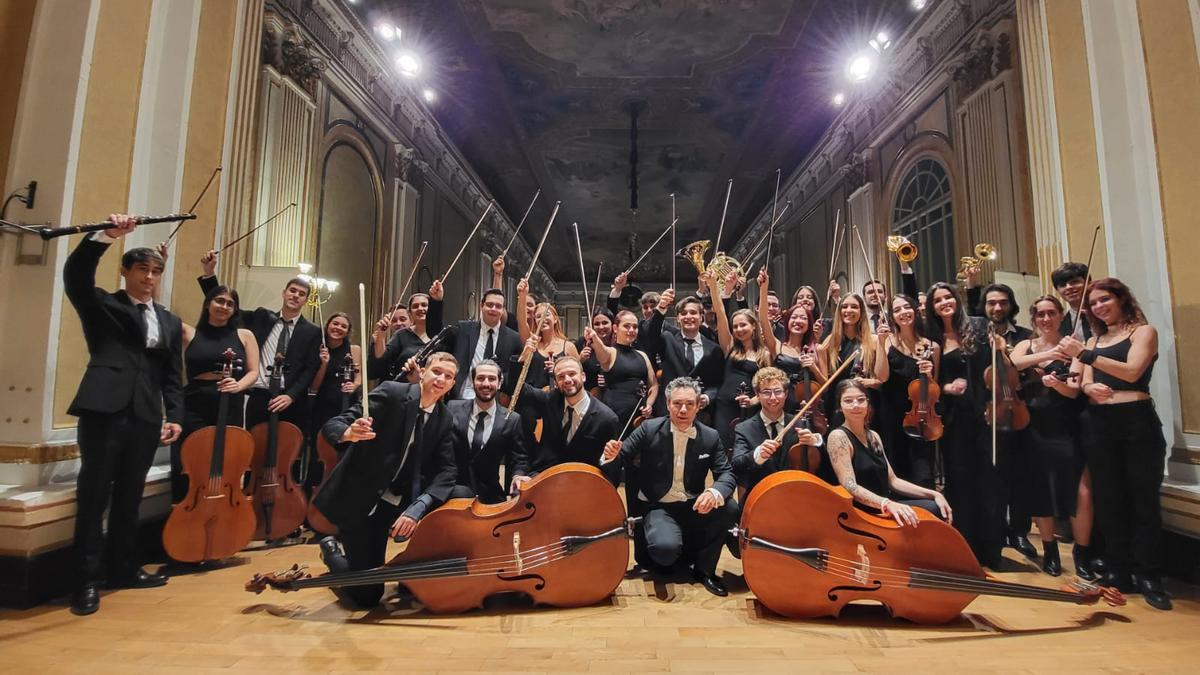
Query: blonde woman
[
  {"x": 851, "y": 333},
  {"x": 741, "y": 340}
]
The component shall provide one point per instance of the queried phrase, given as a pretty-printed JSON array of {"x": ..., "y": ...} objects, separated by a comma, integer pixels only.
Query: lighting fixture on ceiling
[
  {"x": 880, "y": 42},
  {"x": 839, "y": 99},
  {"x": 429, "y": 95},
  {"x": 387, "y": 31},
  {"x": 408, "y": 65},
  {"x": 861, "y": 67},
  {"x": 919, "y": 5}
]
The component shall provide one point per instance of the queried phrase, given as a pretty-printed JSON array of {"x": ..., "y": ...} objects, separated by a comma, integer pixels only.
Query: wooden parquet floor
[{"x": 205, "y": 622}]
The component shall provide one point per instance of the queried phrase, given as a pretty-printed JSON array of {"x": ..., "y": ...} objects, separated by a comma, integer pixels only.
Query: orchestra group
[{"x": 937, "y": 401}]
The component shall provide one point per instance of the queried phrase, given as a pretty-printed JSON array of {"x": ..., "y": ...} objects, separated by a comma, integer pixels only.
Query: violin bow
[
  {"x": 644, "y": 391},
  {"x": 192, "y": 209},
  {"x": 816, "y": 396},
  {"x": 883, "y": 320},
  {"x": 538, "y": 253},
  {"x": 837, "y": 219},
  {"x": 256, "y": 228},
  {"x": 673, "y": 248},
  {"x": 725, "y": 210},
  {"x": 587, "y": 301},
  {"x": 471, "y": 236},
  {"x": 362, "y": 337},
  {"x": 1087, "y": 278},
  {"x": 665, "y": 232},
  {"x": 504, "y": 253},
  {"x": 411, "y": 273}
]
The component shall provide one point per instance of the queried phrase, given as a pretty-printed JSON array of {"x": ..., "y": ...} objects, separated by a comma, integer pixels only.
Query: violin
[
  {"x": 802, "y": 390},
  {"x": 638, "y": 417},
  {"x": 922, "y": 420},
  {"x": 429, "y": 348},
  {"x": 328, "y": 455},
  {"x": 214, "y": 520},
  {"x": 814, "y": 566},
  {"x": 278, "y": 501},
  {"x": 1005, "y": 409},
  {"x": 562, "y": 541},
  {"x": 743, "y": 389}
]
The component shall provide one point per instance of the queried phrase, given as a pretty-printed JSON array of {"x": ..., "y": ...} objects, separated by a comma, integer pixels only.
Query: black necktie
[
  {"x": 477, "y": 437},
  {"x": 489, "y": 350},
  {"x": 142, "y": 309},
  {"x": 567, "y": 424},
  {"x": 875, "y": 322},
  {"x": 283, "y": 338},
  {"x": 691, "y": 355},
  {"x": 774, "y": 430},
  {"x": 418, "y": 436}
]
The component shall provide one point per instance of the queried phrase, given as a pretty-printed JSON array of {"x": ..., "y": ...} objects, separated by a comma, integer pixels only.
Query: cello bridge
[
  {"x": 862, "y": 569},
  {"x": 517, "y": 552}
]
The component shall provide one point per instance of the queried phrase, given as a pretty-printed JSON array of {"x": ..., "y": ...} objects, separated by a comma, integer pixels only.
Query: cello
[
  {"x": 214, "y": 520},
  {"x": 278, "y": 501},
  {"x": 561, "y": 541},
  {"x": 328, "y": 455},
  {"x": 813, "y": 566},
  {"x": 922, "y": 420}
]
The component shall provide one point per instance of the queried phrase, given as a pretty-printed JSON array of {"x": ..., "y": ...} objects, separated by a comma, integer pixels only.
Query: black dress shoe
[
  {"x": 1098, "y": 565},
  {"x": 1051, "y": 563},
  {"x": 85, "y": 600},
  {"x": 139, "y": 579},
  {"x": 1083, "y": 563},
  {"x": 1152, "y": 591},
  {"x": 710, "y": 582},
  {"x": 331, "y": 554},
  {"x": 1117, "y": 580},
  {"x": 1023, "y": 545}
]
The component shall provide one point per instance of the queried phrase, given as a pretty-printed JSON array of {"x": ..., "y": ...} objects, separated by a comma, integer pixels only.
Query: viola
[
  {"x": 813, "y": 566},
  {"x": 1005, "y": 409},
  {"x": 278, "y": 501},
  {"x": 328, "y": 455},
  {"x": 562, "y": 541},
  {"x": 922, "y": 420},
  {"x": 800, "y": 456},
  {"x": 214, "y": 520}
]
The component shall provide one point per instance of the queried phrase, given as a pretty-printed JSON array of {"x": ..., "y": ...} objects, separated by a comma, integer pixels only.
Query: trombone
[
  {"x": 905, "y": 250},
  {"x": 983, "y": 251}
]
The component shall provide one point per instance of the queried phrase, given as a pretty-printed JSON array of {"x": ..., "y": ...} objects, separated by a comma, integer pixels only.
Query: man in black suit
[
  {"x": 132, "y": 378},
  {"x": 1068, "y": 280},
  {"x": 575, "y": 425},
  {"x": 676, "y": 455},
  {"x": 1014, "y": 465},
  {"x": 756, "y": 453},
  {"x": 286, "y": 332},
  {"x": 488, "y": 338},
  {"x": 688, "y": 352},
  {"x": 486, "y": 434},
  {"x": 400, "y": 467}
]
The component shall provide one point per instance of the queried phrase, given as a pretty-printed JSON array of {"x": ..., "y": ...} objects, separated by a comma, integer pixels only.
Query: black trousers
[
  {"x": 256, "y": 409},
  {"x": 674, "y": 531},
  {"x": 365, "y": 544},
  {"x": 115, "y": 453},
  {"x": 1126, "y": 452},
  {"x": 1015, "y": 470}
]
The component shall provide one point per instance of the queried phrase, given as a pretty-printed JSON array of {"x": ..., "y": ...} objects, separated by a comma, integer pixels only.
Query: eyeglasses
[{"x": 772, "y": 393}]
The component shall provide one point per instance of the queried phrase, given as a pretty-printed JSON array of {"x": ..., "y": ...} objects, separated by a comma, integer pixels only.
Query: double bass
[
  {"x": 813, "y": 566},
  {"x": 562, "y": 541},
  {"x": 328, "y": 455},
  {"x": 214, "y": 520},
  {"x": 922, "y": 420},
  {"x": 278, "y": 501}
]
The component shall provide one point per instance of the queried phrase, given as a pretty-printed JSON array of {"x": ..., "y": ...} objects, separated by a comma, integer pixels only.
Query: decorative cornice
[{"x": 341, "y": 38}]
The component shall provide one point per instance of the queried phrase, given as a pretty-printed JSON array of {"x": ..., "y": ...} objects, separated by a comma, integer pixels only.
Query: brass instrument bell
[
  {"x": 905, "y": 250},
  {"x": 721, "y": 264},
  {"x": 983, "y": 251}
]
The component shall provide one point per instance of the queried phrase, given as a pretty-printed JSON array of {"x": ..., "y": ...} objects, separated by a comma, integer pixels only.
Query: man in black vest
[
  {"x": 400, "y": 467},
  {"x": 756, "y": 453},
  {"x": 575, "y": 425},
  {"x": 688, "y": 352},
  {"x": 488, "y": 338},
  {"x": 284, "y": 332},
  {"x": 132, "y": 377},
  {"x": 677, "y": 454},
  {"x": 485, "y": 435}
]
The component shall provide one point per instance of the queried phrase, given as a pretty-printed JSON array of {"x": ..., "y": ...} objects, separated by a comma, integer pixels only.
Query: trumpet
[
  {"x": 721, "y": 264},
  {"x": 905, "y": 250},
  {"x": 982, "y": 252}
]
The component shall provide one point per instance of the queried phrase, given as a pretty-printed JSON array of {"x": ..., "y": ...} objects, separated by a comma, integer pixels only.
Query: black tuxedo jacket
[
  {"x": 461, "y": 340},
  {"x": 121, "y": 371},
  {"x": 506, "y": 444},
  {"x": 367, "y": 468},
  {"x": 303, "y": 357},
  {"x": 653, "y": 444},
  {"x": 747, "y": 436},
  {"x": 598, "y": 426},
  {"x": 669, "y": 347},
  {"x": 1067, "y": 327}
]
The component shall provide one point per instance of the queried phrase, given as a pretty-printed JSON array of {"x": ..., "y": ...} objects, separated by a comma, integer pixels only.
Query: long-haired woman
[
  {"x": 909, "y": 354},
  {"x": 741, "y": 340},
  {"x": 796, "y": 353},
  {"x": 850, "y": 337}
]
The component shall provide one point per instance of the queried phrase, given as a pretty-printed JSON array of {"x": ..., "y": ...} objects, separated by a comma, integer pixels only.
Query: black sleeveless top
[
  {"x": 1120, "y": 352},
  {"x": 870, "y": 467},
  {"x": 204, "y": 353},
  {"x": 623, "y": 379},
  {"x": 329, "y": 394}
]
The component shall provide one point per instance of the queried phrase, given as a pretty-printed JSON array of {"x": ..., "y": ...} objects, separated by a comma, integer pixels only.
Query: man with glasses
[{"x": 756, "y": 453}]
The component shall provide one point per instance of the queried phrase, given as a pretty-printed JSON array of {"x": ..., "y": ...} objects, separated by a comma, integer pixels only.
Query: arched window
[{"x": 923, "y": 213}]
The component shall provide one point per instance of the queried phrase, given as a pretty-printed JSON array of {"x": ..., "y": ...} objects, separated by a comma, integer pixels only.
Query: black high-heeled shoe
[
  {"x": 1051, "y": 563},
  {"x": 1083, "y": 563}
]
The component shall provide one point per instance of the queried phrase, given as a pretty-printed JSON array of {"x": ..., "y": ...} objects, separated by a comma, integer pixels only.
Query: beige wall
[{"x": 16, "y": 20}]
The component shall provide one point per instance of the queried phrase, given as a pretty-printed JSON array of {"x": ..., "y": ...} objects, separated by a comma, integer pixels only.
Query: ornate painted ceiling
[{"x": 544, "y": 95}]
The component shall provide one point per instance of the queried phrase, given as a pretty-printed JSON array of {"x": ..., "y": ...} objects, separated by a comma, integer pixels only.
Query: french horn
[
  {"x": 721, "y": 264},
  {"x": 983, "y": 251}
]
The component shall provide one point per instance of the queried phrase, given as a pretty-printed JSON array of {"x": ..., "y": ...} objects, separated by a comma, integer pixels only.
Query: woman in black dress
[
  {"x": 851, "y": 332},
  {"x": 602, "y": 324},
  {"x": 971, "y": 481},
  {"x": 861, "y": 466},
  {"x": 425, "y": 314},
  {"x": 203, "y": 348},
  {"x": 806, "y": 297},
  {"x": 329, "y": 388},
  {"x": 1060, "y": 486},
  {"x": 741, "y": 340},
  {"x": 796, "y": 354},
  {"x": 626, "y": 369},
  {"x": 908, "y": 355},
  {"x": 1123, "y": 435}
]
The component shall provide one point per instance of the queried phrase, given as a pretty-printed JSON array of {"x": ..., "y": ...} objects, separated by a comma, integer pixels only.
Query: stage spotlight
[
  {"x": 880, "y": 42},
  {"x": 429, "y": 95},
  {"x": 387, "y": 31},
  {"x": 860, "y": 68},
  {"x": 839, "y": 99},
  {"x": 919, "y": 4},
  {"x": 408, "y": 65}
]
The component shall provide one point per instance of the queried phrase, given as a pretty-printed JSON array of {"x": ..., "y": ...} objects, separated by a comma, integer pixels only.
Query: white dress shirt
[
  {"x": 153, "y": 330},
  {"x": 780, "y": 423},
  {"x": 581, "y": 407},
  {"x": 677, "y": 492},
  {"x": 696, "y": 346},
  {"x": 468, "y": 388},
  {"x": 266, "y": 355}
]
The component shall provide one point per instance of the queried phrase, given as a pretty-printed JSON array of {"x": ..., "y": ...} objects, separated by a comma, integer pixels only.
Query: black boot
[
  {"x": 1022, "y": 544},
  {"x": 1051, "y": 563},
  {"x": 332, "y": 555},
  {"x": 1083, "y": 562}
]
